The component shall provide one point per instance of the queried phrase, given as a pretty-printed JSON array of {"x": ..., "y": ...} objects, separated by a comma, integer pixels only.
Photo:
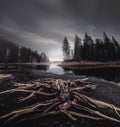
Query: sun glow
[{"x": 55, "y": 59}]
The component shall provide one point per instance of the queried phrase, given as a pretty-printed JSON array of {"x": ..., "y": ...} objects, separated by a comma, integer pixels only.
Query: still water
[
  {"x": 110, "y": 74},
  {"x": 55, "y": 69}
]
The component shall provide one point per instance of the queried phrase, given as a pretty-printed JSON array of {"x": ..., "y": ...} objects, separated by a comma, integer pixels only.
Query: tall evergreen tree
[
  {"x": 107, "y": 47},
  {"x": 66, "y": 49},
  {"x": 77, "y": 49},
  {"x": 116, "y": 47},
  {"x": 99, "y": 51},
  {"x": 88, "y": 47}
]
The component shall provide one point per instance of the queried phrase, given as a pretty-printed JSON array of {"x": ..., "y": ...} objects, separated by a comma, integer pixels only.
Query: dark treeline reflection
[
  {"x": 110, "y": 74},
  {"x": 105, "y": 49}
]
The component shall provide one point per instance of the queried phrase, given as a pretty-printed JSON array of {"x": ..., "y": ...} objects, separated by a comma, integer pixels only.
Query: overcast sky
[{"x": 42, "y": 24}]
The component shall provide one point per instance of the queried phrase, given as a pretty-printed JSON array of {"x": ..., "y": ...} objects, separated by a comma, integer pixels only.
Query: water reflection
[
  {"x": 53, "y": 68},
  {"x": 110, "y": 74}
]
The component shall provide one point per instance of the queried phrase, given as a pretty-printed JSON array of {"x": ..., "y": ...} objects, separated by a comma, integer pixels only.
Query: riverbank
[
  {"x": 87, "y": 65},
  {"x": 68, "y": 65}
]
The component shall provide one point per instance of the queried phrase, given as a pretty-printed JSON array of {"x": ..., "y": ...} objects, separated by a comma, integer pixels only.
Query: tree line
[
  {"x": 11, "y": 52},
  {"x": 105, "y": 49}
]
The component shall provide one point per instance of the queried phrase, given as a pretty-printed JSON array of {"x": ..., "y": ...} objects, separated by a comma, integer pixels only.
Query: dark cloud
[{"x": 42, "y": 24}]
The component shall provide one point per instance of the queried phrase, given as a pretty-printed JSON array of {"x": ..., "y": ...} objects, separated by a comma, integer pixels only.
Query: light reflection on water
[
  {"x": 53, "y": 68},
  {"x": 110, "y": 74}
]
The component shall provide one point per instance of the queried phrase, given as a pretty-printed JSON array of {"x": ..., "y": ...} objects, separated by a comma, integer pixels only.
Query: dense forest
[
  {"x": 105, "y": 49},
  {"x": 11, "y": 52}
]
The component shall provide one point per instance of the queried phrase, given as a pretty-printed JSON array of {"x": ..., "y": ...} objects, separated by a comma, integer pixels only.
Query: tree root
[
  {"x": 4, "y": 77},
  {"x": 60, "y": 97}
]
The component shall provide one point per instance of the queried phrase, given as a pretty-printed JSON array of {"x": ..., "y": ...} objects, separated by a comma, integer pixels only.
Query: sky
[{"x": 43, "y": 24}]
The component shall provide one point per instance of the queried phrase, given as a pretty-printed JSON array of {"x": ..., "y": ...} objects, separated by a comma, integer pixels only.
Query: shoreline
[
  {"x": 89, "y": 65},
  {"x": 69, "y": 65}
]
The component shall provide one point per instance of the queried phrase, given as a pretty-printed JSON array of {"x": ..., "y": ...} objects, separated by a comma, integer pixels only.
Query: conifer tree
[{"x": 66, "y": 49}]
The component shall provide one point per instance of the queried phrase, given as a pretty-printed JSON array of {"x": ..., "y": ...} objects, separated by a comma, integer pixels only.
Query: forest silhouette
[{"x": 105, "y": 49}]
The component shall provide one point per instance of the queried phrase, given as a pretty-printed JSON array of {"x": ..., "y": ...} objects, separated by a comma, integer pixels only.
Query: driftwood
[
  {"x": 60, "y": 96},
  {"x": 4, "y": 77}
]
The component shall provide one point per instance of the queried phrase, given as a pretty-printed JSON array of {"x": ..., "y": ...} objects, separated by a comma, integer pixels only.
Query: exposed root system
[{"x": 57, "y": 97}]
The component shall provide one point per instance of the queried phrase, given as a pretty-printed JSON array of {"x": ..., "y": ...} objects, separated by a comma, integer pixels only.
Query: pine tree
[
  {"x": 88, "y": 47},
  {"x": 117, "y": 48},
  {"x": 66, "y": 49},
  {"x": 77, "y": 49},
  {"x": 107, "y": 47}
]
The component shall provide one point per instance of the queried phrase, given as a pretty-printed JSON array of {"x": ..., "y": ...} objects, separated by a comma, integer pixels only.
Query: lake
[{"x": 110, "y": 74}]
